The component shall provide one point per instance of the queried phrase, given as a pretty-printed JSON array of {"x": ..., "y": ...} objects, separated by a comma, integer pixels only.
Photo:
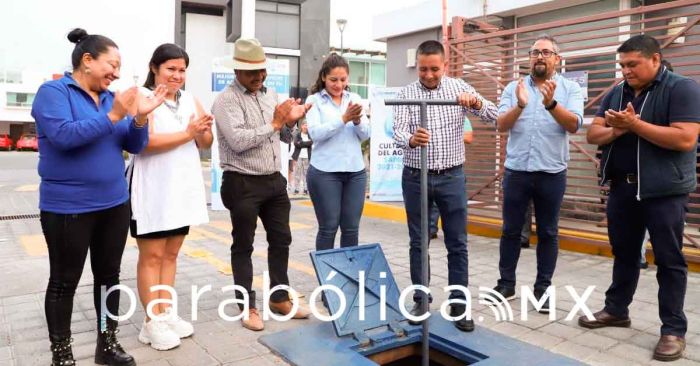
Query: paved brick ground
[{"x": 205, "y": 260}]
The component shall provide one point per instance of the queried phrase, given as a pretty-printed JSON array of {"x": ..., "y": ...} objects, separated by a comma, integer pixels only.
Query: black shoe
[
  {"x": 109, "y": 351},
  {"x": 507, "y": 293},
  {"x": 644, "y": 265},
  {"x": 524, "y": 244},
  {"x": 62, "y": 352},
  {"x": 462, "y": 324},
  {"x": 416, "y": 311},
  {"x": 433, "y": 236},
  {"x": 545, "y": 307}
]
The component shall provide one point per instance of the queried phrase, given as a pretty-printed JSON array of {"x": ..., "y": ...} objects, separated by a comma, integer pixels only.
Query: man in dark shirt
[{"x": 648, "y": 126}]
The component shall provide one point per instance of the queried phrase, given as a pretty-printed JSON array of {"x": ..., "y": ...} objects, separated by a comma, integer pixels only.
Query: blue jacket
[
  {"x": 80, "y": 149},
  {"x": 661, "y": 172}
]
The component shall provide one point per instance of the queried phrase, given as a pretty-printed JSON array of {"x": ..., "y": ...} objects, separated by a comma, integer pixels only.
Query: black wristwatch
[{"x": 551, "y": 105}]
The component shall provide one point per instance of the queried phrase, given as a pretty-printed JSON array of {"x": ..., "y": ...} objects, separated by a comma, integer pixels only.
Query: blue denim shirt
[
  {"x": 537, "y": 142},
  {"x": 336, "y": 144}
]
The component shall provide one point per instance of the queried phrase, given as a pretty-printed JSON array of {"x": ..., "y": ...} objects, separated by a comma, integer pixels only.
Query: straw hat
[{"x": 248, "y": 54}]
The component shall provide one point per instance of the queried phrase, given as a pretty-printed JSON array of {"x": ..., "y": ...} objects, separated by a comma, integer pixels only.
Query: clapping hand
[
  {"x": 291, "y": 110},
  {"x": 547, "y": 89},
  {"x": 353, "y": 112},
  {"x": 625, "y": 119},
  {"x": 521, "y": 93},
  {"x": 146, "y": 104},
  {"x": 199, "y": 125},
  {"x": 297, "y": 111},
  {"x": 123, "y": 104}
]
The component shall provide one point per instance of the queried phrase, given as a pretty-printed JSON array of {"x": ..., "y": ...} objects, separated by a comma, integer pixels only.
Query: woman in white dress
[{"x": 167, "y": 192}]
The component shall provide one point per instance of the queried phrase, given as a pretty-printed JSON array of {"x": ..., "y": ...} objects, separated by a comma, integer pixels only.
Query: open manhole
[
  {"x": 411, "y": 355},
  {"x": 381, "y": 335}
]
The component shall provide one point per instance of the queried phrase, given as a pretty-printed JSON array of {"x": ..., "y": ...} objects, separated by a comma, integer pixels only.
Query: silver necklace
[{"x": 174, "y": 108}]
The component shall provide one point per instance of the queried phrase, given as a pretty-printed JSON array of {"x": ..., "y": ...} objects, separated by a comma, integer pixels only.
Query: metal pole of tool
[{"x": 424, "y": 213}]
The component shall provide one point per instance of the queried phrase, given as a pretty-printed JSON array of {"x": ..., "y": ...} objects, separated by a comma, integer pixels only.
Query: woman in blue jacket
[{"x": 82, "y": 129}]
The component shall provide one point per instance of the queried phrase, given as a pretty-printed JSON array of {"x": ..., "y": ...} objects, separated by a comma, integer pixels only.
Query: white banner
[
  {"x": 386, "y": 159},
  {"x": 221, "y": 76},
  {"x": 216, "y": 175},
  {"x": 278, "y": 79}
]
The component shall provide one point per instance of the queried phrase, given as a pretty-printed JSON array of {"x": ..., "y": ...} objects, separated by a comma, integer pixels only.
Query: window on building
[
  {"x": 20, "y": 99},
  {"x": 277, "y": 24},
  {"x": 377, "y": 75},
  {"x": 366, "y": 73}
]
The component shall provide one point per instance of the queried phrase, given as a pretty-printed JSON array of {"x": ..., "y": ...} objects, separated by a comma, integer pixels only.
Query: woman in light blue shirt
[{"x": 337, "y": 176}]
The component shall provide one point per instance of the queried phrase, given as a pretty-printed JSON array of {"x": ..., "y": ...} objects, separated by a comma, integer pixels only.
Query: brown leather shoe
[
  {"x": 604, "y": 319},
  {"x": 285, "y": 307},
  {"x": 254, "y": 321},
  {"x": 669, "y": 348}
]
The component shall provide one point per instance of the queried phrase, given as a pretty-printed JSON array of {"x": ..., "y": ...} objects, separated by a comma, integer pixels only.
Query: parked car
[
  {"x": 5, "y": 142},
  {"x": 27, "y": 142}
]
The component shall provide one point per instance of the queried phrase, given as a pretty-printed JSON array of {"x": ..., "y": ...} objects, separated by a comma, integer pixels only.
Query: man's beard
[{"x": 539, "y": 72}]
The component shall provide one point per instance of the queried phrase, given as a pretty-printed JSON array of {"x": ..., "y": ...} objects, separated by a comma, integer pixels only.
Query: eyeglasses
[{"x": 544, "y": 53}]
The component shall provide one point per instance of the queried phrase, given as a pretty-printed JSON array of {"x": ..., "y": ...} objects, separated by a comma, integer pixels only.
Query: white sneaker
[
  {"x": 157, "y": 333},
  {"x": 181, "y": 327}
]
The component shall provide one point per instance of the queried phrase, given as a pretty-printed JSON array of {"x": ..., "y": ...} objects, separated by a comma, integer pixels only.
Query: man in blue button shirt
[
  {"x": 648, "y": 129},
  {"x": 539, "y": 111}
]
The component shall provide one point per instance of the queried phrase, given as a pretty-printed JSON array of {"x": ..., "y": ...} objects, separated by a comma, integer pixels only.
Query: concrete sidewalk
[{"x": 205, "y": 261}]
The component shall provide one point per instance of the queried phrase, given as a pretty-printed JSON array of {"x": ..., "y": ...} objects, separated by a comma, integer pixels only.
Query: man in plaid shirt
[{"x": 443, "y": 139}]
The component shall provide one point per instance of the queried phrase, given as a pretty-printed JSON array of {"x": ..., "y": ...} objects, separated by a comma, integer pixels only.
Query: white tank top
[{"x": 167, "y": 188}]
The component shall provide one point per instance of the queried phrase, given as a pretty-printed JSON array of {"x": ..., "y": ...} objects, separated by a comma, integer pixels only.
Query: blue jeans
[
  {"x": 434, "y": 216},
  {"x": 546, "y": 190},
  {"x": 338, "y": 199},
  {"x": 447, "y": 191}
]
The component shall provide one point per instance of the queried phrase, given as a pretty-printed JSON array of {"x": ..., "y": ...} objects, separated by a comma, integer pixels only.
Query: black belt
[
  {"x": 231, "y": 172},
  {"x": 629, "y": 178},
  {"x": 437, "y": 171}
]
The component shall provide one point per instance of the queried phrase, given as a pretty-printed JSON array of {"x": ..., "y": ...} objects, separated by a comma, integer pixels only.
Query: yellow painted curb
[
  {"x": 571, "y": 240},
  {"x": 34, "y": 245},
  {"x": 377, "y": 211},
  {"x": 226, "y": 240},
  {"x": 27, "y": 188}
]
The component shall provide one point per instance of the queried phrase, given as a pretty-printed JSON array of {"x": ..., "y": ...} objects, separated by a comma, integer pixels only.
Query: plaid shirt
[
  {"x": 445, "y": 123},
  {"x": 247, "y": 142}
]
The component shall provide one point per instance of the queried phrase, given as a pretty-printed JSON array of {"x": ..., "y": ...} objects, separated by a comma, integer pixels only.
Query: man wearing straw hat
[{"x": 250, "y": 124}]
